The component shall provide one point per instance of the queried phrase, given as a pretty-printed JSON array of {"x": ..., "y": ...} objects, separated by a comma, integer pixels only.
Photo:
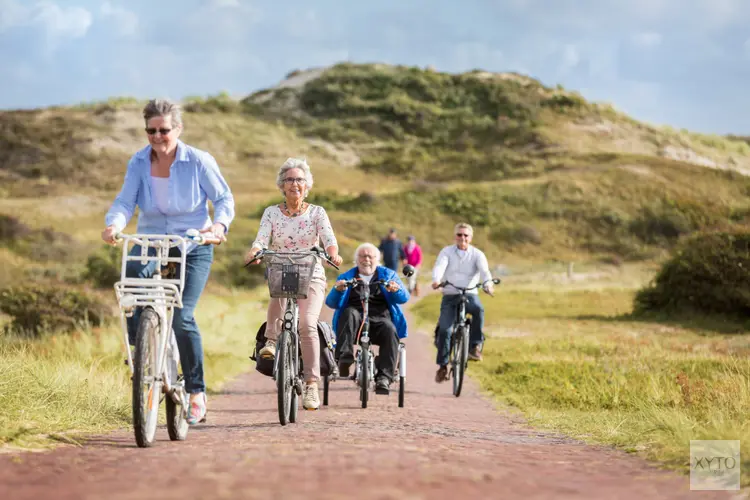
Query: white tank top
[{"x": 160, "y": 188}]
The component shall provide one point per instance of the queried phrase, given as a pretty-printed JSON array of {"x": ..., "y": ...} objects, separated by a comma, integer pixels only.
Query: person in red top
[{"x": 413, "y": 254}]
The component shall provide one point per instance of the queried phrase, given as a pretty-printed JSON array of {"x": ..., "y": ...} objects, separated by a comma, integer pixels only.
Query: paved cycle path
[{"x": 438, "y": 446}]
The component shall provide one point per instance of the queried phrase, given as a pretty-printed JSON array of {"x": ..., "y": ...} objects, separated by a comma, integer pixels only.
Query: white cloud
[
  {"x": 226, "y": 3},
  {"x": 124, "y": 21},
  {"x": 12, "y": 14},
  {"x": 646, "y": 39},
  {"x": 570, "y": 58},
  {"x": 61, "y": 22}
]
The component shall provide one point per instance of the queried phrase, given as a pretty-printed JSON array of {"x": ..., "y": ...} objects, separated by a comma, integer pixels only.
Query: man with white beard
[{"x": 387, "y": 322}]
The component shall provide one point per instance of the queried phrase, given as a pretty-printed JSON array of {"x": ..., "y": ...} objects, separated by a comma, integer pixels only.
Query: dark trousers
[
  {"x": 382, "y": 333},
  {"x": 448, "y": 310},
  {"x": 187, "y": 335}
]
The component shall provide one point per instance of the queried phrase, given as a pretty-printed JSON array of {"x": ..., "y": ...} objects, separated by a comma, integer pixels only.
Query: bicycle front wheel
[
  {"x": 365, "y": 374},
  {"x": 284, "y": 379},
  {"x": 460, "y": 358},
  {"x": 146, "y": 386}
]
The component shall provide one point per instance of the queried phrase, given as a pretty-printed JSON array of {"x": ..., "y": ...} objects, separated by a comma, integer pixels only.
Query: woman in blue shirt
[{"x": 171, "y": 183}]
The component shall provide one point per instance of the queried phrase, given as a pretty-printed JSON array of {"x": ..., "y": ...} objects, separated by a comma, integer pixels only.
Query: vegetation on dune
[{"x": 710, "y": 274}]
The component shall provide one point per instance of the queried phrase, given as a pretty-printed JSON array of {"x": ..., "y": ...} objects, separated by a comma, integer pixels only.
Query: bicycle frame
[
  {"x": 161, "y": 294},
  {"x": 363, "y": 340},
  {"x": 290, "y": 324}
]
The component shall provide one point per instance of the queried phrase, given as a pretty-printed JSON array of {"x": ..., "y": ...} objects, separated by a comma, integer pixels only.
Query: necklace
[{"x": 294, "y": 214}]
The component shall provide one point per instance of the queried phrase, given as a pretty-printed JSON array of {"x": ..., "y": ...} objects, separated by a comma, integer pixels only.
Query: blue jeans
[
  {"x": 185, "y": 328},
  {"x": 448, "y": 311}
]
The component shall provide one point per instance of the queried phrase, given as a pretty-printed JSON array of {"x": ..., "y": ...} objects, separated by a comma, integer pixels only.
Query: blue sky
[{"x": 685, "y": 63}]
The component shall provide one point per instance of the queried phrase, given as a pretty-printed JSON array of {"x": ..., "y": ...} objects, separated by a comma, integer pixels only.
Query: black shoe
[
  {"x": 382, "y": 386},
  {"x": 442, "y": 374},
  {"x": 344, "y": 365}
]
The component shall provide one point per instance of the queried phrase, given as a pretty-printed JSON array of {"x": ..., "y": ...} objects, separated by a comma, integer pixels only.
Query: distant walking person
[
  {"x": 413, "y": 253},
  {"x": 392, "y": 250}
]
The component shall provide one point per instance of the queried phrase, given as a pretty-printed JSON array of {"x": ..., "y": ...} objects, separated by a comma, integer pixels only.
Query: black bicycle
[
  {"x": 289, "y": 275},
  {"x": 459, "y": 334},
  {"x": 364, "y": 362}
]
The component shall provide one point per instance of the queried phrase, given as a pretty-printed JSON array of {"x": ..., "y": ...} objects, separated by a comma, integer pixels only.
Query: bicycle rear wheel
[
  {"x": 284, "y": 377},
  {"x": 365, "y": 375},
  {"x": 146, "y": 386},
  {"x": 177, "y": 425},
  {"x": 460, "y": 358}
]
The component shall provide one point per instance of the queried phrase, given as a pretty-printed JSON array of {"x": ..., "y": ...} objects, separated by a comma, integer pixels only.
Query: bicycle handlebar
[
  {"x": 354, "y": 282},
  {"x": 192, "y": 235},
  {"x": 316, "y": 251},
  {"x": 462, "y": 289}
]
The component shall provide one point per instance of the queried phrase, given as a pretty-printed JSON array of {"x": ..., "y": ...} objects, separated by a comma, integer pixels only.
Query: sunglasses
[
  {"x": 298, "y": 180},
  {"x": 162, "y": 131},
  {"x": 462, "y": 235}
]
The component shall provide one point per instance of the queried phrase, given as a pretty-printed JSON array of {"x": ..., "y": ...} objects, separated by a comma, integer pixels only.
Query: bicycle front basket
[{"x": 289, "y": 275}]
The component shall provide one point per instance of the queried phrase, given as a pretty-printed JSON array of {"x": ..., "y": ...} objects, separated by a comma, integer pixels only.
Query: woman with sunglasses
[
  {"x": 296, "y": 226},
  {"x": 171, "y": 183},
  {"x": 461, "y": 264}
]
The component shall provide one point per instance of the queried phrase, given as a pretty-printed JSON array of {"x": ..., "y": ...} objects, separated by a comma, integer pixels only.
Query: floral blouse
[{"x": 295, "y": 234}]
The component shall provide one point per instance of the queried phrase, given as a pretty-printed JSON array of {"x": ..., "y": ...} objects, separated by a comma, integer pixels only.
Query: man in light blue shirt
[
  {"x": 462, "y": 265},
  {"x": 171, "y": 183}
]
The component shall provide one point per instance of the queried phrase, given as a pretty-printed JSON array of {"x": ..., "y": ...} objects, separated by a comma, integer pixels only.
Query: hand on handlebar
[
  {"x": 336, "y": 259},
  {"x": 340, "y": 285},
  {"x": 436, "y": 285},
  {"x": 216, "y": 234},
  {"x": 251, "y": 256},
  {"x": 392, "y": 286},
  {"x": 109, "y": 235}
]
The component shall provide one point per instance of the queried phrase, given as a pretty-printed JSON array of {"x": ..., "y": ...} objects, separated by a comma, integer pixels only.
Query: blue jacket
[{"x": 338, "y": 300}]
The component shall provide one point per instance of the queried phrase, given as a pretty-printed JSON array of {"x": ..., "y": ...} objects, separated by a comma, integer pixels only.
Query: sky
[{"x": 684, "y": 63}]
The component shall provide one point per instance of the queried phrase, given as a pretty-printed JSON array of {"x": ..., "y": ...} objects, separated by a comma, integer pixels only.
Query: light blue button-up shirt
[{"x": 194, "y": 178}]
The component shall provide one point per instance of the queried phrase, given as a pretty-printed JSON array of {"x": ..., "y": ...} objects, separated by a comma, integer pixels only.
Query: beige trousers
[{"x": 309, "y": 312}]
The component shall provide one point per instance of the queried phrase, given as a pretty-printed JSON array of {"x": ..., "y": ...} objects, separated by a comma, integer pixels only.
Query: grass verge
[
  {"x": 59, "y": 388},
  {"x": 573, "y": 361}
]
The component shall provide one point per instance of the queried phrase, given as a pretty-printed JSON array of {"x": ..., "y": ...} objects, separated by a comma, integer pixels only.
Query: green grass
[
  {"x": 573, "y": 361},
  {"x": 62, "y": 387}
]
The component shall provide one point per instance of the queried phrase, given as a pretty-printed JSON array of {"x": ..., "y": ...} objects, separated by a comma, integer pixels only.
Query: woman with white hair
[
  {"x": 296, "y": 226},
  {"x": 387, "y": 322}
]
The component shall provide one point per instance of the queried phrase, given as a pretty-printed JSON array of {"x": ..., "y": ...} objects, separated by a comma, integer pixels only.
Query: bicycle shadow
[{"x": 240, "y": 411}]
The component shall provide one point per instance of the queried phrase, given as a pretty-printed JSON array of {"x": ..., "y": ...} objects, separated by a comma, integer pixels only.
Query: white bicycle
[{"x": 155, "y": 363}]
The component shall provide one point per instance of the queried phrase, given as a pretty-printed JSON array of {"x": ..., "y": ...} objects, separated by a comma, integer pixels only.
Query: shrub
[
  {"x": 710, "y": 273},
  {"x": 12, "y": 229},
  {"x": 103, "y": 267},
  {"x": 38, "y": 308}
]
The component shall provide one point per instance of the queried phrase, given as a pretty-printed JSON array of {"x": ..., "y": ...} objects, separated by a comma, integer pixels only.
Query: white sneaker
[
  {"x": 310, "y": 399},
  {"x": 269, "y": 350}
]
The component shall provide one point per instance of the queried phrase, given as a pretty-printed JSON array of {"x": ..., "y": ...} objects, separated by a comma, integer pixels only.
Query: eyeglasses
[
  {"x": 298, "y": 180},
  {"x": 462, "y": 235},
  {"x": 162, "y": 131}
]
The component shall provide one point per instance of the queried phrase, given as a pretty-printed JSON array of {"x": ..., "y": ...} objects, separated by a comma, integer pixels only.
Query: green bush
[
  {"x": 12, "y": 229},
  {"x": 38, "y": 308},
  {"x": 220, "y": 103},
  {"x": 103, "y": 267},
  {"x": 710, "y": 273}
]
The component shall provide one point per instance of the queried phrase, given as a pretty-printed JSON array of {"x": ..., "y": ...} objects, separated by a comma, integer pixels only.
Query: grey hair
[
  {"x": 464, "y": 225},
  {"x": 289, "y": 164},
  {"x": 368, "y": 246},
  {"x": 163, "y": 107}
]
